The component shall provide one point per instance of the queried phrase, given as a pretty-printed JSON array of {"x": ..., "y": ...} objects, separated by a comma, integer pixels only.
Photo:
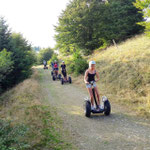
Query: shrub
[
  {"x": 10, "y": 136},
  {"x": 45, "y": 54},
  {"x": 6, "y": 65},
  {"x": 78, "y": 65},
  {"x": 54, "y": 57}
]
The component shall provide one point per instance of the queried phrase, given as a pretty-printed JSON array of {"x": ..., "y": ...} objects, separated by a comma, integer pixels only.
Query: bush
[
  {"x": 16, "y": 57},
  {"x": 23, "y": 59},
  {"x": 10, "y": 136},
  {"x": 45, "y": 54},
  {"x": 54, "y": 57},
  {"x": 78, "y": 64},
  {"x": 6, "y": 65}
]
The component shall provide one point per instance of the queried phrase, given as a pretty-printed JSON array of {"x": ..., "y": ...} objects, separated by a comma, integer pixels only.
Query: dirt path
[{"x": 116, "y": 132}]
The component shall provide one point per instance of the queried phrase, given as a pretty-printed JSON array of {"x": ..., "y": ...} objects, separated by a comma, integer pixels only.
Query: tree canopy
[
  {"x": 16, "y": 57},
  {"x": 89, "y": 25},
  {"x": 144, "y": 5},
  {"x": 45, "y": 54}
]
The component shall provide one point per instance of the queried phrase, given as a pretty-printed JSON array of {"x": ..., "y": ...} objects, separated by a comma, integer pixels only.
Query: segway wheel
[
  {"x": 53, "y": 78},
  {"x": 62, "y": 81},
  {"x": 52, "y": 73},
  {"x": 88, "y": 109},
  {"x": 70, "y": 81},
  {"x": 107, "y": 108},
  {"x": 59, "y": 76}
]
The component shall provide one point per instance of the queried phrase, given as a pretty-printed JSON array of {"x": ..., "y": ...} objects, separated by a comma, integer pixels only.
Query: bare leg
[
  {"x": 91, "y": 96},
  {"x": 66, "y": 78},
  {"x": 56, "y": 73},
  {"x": 97, "y": 94}
]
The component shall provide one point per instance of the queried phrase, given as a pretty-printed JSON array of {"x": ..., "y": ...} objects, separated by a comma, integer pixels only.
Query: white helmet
[
  {"x": 92, "y": 63},
  {"x": 62, "y": 61}
]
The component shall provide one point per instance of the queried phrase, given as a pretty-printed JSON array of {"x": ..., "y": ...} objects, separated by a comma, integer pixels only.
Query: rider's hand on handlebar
[{"x": 86, "y": 82}]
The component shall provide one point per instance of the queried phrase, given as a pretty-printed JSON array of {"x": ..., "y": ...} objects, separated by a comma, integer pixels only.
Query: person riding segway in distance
[
  {"x": 45, "y": 63},
  {"x": 56, "y": 68},
  {"x": 89, "y": 77},
  {"x": 63, "y": 70}
]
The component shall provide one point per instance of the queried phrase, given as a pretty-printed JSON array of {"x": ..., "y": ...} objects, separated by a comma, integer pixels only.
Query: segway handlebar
[{"x": 92, "y": 82}]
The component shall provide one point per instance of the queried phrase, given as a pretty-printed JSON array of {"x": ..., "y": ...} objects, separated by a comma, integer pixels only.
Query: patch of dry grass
[
  {"x": 23, "y": 104},
  {"x": 125, "y": 73}
]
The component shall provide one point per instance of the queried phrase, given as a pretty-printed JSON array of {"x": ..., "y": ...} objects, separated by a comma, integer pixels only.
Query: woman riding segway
[{"x": 89, "y": 78}]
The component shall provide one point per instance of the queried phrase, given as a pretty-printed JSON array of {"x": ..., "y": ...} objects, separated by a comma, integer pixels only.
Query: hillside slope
[{"x": 125, "y": 72}]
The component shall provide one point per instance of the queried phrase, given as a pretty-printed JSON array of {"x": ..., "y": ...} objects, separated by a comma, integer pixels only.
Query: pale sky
[{"x": 33, "y": 18}]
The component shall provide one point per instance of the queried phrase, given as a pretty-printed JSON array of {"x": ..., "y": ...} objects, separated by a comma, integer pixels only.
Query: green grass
[{"x": 22, "y": 108}]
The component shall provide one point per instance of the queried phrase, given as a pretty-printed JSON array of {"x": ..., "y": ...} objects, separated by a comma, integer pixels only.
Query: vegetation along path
[{"x": 118, "y": 131}]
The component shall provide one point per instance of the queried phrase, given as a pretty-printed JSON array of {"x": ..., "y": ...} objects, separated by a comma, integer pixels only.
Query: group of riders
[
  {"x": 55, "y": 68},
  {"x": 89, "y": 77}
]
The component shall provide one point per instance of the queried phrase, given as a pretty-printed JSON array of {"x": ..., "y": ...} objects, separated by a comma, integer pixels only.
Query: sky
[{"x": 35, "y": 19}]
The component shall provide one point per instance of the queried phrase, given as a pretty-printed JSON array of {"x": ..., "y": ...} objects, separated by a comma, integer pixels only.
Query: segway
[
  {"x": 52, "y": 73},
  {"x": 45, "y": 67},
  {"x": 56, "y": 76},
  {"x": 106, "y": 109},
  {"x": 64, "y": 81},
  {"x": 64, "y": 73}
]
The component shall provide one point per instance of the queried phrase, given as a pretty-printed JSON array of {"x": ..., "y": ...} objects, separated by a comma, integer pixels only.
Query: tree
[
  {"x": 5, "y": 39},
  {"x": 45, "y": 54},
  {"x": 6, "y": 65},
  {"x": 53, "y": 58},
  {"x": 23, "y": 56},
  {"x": 88, "y": 25},
  {"x": 144, "y": 5},
  {"x": 23, "y": 59},
  {"x": 77, "y": 64},
  {"x": 122, "y": 18},
  {"x": 16, "y": 57}
]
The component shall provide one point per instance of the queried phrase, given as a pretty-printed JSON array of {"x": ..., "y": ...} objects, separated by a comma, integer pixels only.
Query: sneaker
[
  {"x": 101, "y": 106},
  {"x": 92, "y": 107}
]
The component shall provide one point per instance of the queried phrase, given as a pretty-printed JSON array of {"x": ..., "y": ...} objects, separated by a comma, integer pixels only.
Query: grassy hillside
[
  {"x": 125, "y": 73},
  {"x": 26, "y": 122}
]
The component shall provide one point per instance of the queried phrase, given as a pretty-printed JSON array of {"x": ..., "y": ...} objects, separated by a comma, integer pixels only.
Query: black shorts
[{"x": 64, "y": 73}]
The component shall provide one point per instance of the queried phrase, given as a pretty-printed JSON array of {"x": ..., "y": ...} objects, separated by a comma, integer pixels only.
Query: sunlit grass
[
  {"x": 24, "y": 104},
  {"x": 125, "y": 72}
]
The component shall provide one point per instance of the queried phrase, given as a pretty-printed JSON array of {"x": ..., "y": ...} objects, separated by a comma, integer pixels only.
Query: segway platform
[
  {"x": 45, "y": 67},
  {"x": 58, "y": 77},
  {"x": 106, "y": 110},
  {"x": 68, "y": 81},
  {"x": 97, "y": 111}
]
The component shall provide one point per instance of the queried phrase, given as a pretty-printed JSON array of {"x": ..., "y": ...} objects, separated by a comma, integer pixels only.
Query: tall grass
[
  {"x": 23, "y": 105},
  {"x": 125, "y": 72}
]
